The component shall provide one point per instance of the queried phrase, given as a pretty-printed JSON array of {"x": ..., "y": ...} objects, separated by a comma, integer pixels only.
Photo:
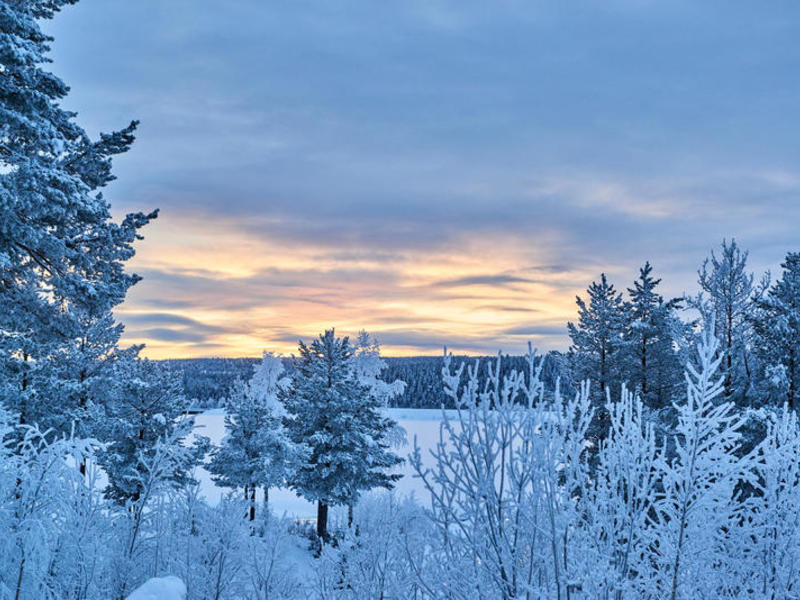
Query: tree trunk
[
  {"x": 349, "y": 516},
  {"x": 322, "y": 521},
  {"x": 252, "y": 503},
  {"x": 644, "y": 366}
]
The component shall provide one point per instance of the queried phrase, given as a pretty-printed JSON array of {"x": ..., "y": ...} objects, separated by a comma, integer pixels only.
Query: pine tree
[
  {"x": 597, "y": 346},
  {"x": 727, "y": 297},
  {"x": 652, "y": 365},
  {"x": 61, "y": 255},
  {"x": 145, "y": 413},
  {"x": 368, "y": 366},
  {"x": 776, "y": 325},
  {"x": 256, "y": 452},
  {"x": 340, "y": 421}
]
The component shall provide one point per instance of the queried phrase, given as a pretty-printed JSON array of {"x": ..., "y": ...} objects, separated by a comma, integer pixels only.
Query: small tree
[
  {"x": 504, "y": 484},
  {"x": 340, "y": 421},
  {"x": 619, "y": 503},
  {"x": 146, "y": 411},
  {"x": 772, "y": 553},
  {"x": 257, "y": 451},
  {"x": 368, "y": 365}
]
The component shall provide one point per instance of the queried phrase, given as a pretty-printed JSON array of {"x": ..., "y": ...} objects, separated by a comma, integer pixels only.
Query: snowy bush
[
  {"x": 380, "y": 555},
  {"x": 505, "y": 485}
]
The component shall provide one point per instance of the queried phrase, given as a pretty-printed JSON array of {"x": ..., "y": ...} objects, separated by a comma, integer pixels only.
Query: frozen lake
[{"x": 420, "y": 422}]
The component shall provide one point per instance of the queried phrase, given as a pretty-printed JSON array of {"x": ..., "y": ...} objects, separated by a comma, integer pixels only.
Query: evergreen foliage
[
  {"x": 652, "y": 368},
  {"x": 727, "y": 296},
  {"x": 776, "y": 324},
  {"x": 146, "y": 418},
  {"x": 339, "y": 419},
  {"x": 256, "y": 451},
  {"x": 61, "y": 254}
]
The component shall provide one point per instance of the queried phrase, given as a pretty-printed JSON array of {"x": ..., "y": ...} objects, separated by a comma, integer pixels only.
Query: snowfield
[{"x": 420, "y": 422}]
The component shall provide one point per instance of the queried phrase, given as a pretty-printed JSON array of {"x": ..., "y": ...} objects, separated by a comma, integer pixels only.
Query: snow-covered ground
[
  {"x": 160, "y": 588},
  {"x": 420, "y": 422}
]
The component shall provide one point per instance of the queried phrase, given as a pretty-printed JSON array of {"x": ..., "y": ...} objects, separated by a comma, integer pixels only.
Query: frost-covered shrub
[
  {"x": 619, "y": 502},
  {"x": 771, "y": 558},
  {"x": 218, "y": 552},
  {"x": 505, "y": 485},
  {"x": 53, "y": 526},
  {"x": 380, "y": 555}
]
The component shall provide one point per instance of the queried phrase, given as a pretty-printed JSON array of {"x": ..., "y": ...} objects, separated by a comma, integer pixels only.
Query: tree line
[{"x": 642, "y": 340}]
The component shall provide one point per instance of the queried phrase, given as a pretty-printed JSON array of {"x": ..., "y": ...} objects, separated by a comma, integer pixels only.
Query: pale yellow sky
[{"x": 212, "y": 289}]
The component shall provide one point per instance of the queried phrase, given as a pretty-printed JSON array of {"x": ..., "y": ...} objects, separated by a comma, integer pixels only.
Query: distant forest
[{"x": 208, "y": 381}]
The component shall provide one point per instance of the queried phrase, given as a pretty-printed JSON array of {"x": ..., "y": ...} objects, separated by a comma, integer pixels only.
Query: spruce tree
[
  {"x": 597, "y": 340},
  {"x": 598, "y": 347},
  {"x": 340, "y": 422},
  {"x": 652, "y": 366},
  {"x": 61, "y": 254},
  {"x": 256, "y": 451},
  {"x": 776, "y": 325}
]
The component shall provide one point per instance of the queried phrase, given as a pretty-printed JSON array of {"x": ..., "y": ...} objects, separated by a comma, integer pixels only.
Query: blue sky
[{"x": 437, "y": 172}]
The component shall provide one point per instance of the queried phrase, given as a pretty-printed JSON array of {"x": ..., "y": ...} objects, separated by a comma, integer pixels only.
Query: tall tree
[
  {"x": 727, "y": 296},
  {"x": 340, "y": 420},
  {"x": 597, "y": 339},
  {"x": 776, "y": 325},
  {"x": 597, "y": 350},
  {"x": 653, "y": 367},
  {"x": 61, "y": 254},
  {"x": 256, "y": 451}
]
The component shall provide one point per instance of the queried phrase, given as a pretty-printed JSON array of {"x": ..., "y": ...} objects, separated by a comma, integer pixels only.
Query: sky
[{"x": 433, "y": 172}]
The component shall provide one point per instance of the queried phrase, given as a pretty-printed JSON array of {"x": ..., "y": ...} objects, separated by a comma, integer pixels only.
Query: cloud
[
  {"x": 144, "y": 319},
  {"x": 492, "y": 280},
  {"x": 536, "y": 330},
  {"x": 436, "y": 171},
  {"x": 164, "y": 334},
  {"x": 168, "y": 327}
]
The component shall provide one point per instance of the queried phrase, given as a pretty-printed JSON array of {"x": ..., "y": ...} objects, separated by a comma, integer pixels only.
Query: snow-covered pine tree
[
  {"x": 597, "y": 337},
  {"x": 256, "y": 451},
  {"x": 653, "y": 368},
  {"x": 145, "y": 411},
  {"x": 776, "y": 340},
  {"x": 61, "y": 254},
  {"x": 597, "y": 349},
  {"x": 368, "y": 365},
  {"x": 340, "y": 421},
  {"x": 727, "y": 297}
]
